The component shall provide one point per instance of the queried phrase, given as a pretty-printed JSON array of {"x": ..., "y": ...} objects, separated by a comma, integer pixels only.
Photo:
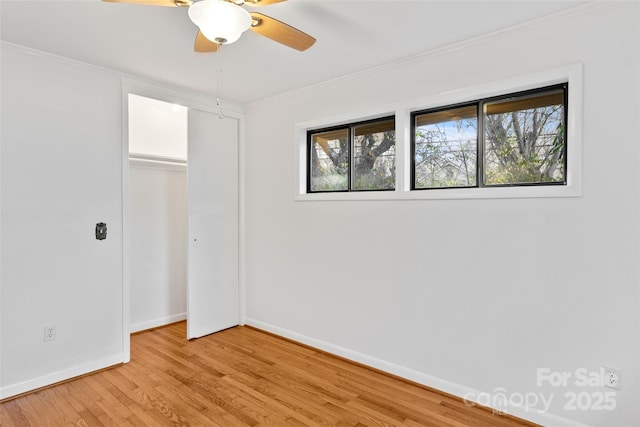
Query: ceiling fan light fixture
[{"x": 220, "y": 21}]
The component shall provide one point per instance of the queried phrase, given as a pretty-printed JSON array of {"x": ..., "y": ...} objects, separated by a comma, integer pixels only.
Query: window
[
  {"x": 354, "y": 157},
  {"x": 511, "y": 140},
  {"x": 518, "y": 137},
  {"x": 445, "y": 148}
]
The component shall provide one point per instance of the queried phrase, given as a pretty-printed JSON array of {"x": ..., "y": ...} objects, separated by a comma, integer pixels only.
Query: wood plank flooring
[{"x": 239, "y": 377}]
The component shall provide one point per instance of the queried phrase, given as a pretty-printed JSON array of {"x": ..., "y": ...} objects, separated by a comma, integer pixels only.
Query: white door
[{"x": 212, "y": 175}]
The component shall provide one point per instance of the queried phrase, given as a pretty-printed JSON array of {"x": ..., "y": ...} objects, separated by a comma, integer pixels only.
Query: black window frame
[
  {"x": 480, "y": 137},
  {"x": 350, "y": 127},
  {"x": 413, "y": 143}
]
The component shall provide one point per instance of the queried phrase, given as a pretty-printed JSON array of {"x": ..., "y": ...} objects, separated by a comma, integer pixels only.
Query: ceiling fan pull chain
[{"x": 219, "y": 88}]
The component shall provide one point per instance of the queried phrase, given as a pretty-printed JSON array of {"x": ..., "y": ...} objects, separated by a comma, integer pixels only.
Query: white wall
[
  {"x": 61, "y": 174},
  {"x": 158, "y": 243},
  {"x": 62, "y": 170},
  {"x": 385, "y": 282},
  {"x": 157, "y": 128}
]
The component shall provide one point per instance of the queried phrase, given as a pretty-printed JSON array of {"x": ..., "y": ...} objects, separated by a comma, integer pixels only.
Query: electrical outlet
[
  {"x": 612, "y": 377},
  {"x": 49, "y": 332}
]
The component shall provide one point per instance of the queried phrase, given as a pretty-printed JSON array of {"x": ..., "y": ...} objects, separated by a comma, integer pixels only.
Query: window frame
[
  {"x": 480, "y": 137},
  {"x": 573, "y": 74},
  {"x": 412, "y": 150},
  {"x": 310, "y": 134},
  {"x": 351, "y": 129}
]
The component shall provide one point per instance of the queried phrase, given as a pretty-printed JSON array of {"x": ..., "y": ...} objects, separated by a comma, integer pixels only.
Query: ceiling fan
[{"x": 223, "y": 21}]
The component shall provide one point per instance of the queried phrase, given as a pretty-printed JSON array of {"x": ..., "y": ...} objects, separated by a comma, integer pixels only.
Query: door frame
[{"x": 191, "y": 100}]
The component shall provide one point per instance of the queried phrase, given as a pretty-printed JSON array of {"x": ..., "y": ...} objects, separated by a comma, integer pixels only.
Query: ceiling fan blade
[
  {"x": 203, "y": 44},
  {"x": 261, "y": 2},
  {"x": 169, "y": 3},
  {"x": 281, "y": 32}
]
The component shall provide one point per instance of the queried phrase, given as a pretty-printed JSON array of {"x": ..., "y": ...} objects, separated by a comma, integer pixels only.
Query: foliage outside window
[
  {"x": 354, "y": 157},
  {"x": 518, "y": 139},
  {"x": 445, "y": 148}
]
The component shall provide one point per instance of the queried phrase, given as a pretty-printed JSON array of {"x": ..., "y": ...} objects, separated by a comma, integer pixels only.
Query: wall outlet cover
[
  {"x": 49, "y": 332},
  {"x": 612, "y": 377}
]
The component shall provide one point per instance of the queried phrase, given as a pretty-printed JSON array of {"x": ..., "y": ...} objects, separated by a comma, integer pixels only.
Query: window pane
[
  {"x": 445, "y": 147},
  {"x": 375, "y": 156},
  {"x": 329, "y": 167},
  {"x": 524, "y": 140}
]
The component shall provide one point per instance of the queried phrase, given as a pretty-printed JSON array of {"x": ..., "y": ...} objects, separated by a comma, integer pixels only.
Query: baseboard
[
  {"x": 458, "y": 390},
  {"x": 149, "y": 324},
  {"x": 59, "y": 376}
]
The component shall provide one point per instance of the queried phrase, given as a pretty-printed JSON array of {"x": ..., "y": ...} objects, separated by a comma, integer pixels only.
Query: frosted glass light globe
[{"x": 220, "y": 21}]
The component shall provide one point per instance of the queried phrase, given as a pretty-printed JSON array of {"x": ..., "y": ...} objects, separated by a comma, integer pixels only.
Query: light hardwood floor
[{"x": 239, "y": 377}]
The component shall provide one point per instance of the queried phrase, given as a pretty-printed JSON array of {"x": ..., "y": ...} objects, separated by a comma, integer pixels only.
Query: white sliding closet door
[{"x": 212, "y": 173}]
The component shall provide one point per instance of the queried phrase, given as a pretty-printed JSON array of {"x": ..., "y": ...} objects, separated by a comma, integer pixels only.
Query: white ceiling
[{"x": 352, "y": 35}]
